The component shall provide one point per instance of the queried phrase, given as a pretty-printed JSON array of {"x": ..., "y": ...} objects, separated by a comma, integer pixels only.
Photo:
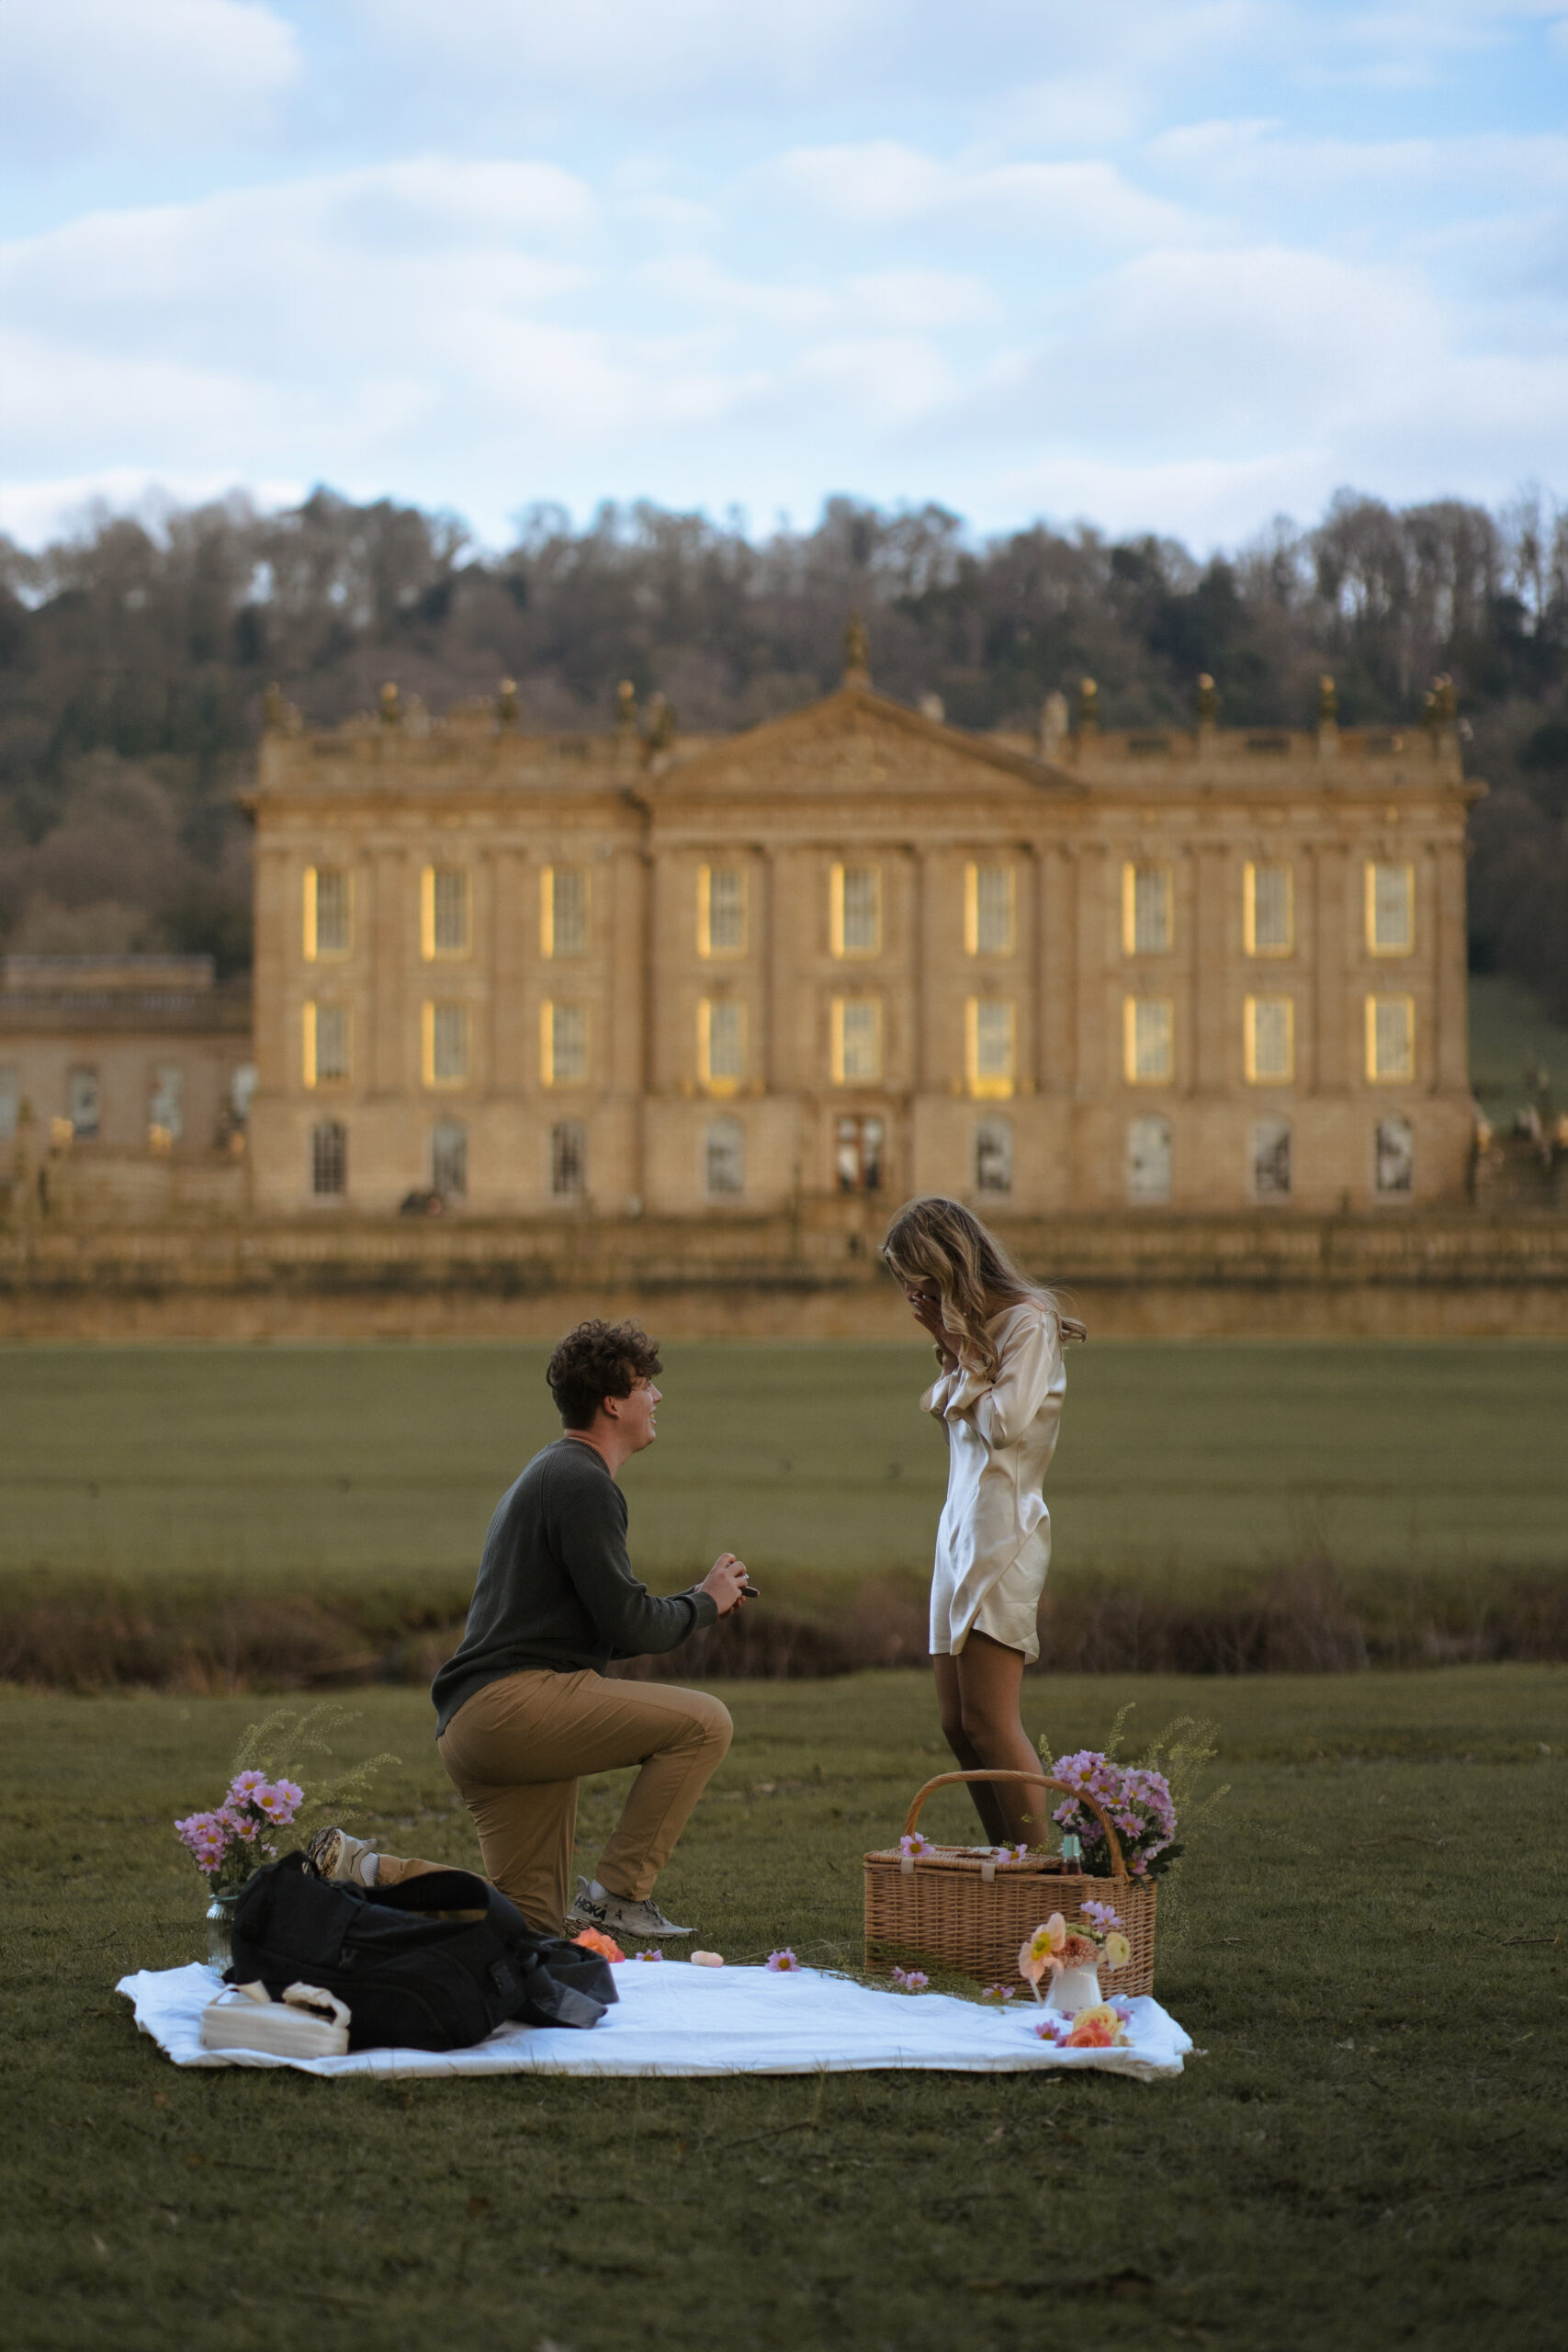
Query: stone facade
[{"x": 859, "y": 950}]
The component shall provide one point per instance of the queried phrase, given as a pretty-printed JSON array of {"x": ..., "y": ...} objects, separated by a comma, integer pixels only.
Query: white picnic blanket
[{"x": 673, "y": 2019}]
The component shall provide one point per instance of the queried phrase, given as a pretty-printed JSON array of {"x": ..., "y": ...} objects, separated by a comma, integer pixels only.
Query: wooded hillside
[{"x": 134, "y": 658}]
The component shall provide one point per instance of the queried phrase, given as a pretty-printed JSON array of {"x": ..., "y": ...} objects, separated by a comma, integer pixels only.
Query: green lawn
[
  {"x": 302, "y": 1467},
  {"x": 1370, "y": 2149}
]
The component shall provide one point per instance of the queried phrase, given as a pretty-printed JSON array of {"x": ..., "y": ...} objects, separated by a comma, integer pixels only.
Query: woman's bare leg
[
  {"x": 993, "y": 1821},
  {"x": 989, "y": 1679}
]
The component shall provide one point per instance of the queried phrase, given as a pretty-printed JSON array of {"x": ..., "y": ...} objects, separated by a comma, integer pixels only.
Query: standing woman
[{"x": 999, "y": 1396}]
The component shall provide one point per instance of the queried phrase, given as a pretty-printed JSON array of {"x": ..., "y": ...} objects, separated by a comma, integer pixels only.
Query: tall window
[
  {"x": 990, "y": 1044},
  {"x": 83, "y": 1101},
  {"x": 721, "y": 910},
  {"x": 1391, "y": 908},
  {"x": 857, "y": 1040},
  {"x": 163, "y": 1101},
  {"x": 569, "y": 1159},
  {"x": 1148, "y": 1159},
  {"x": 724, "y": 1159},
  {"x": 443, "y": 1044},
  {"x": 449, "y": 1158},
  {"x": 855, "y": 910},
  {"x": 563, "y": 911},
  {"x": 328, "y": 1042},
  {"x": 1272, "y": 1159},
  {"x": 988, "y": 910},
  {"x": 1268, "y": 909},
  {"x": 443, "y": 913},
  {"x": 563, "y": 1044},
  {"x": 1147, "y": 917},
  {"x": 857, "y": 1154},
  {"x": 1148, "y": 1040},
  {"x": 1394, "y": 1164},
  {"x": 1269, "y": 1039},
  {"x": 993, "y": 1158},
  {"x": 328, "y": 915},
  {"x": 10, "y": 1105},
  {"x": 329, "y": 1158},
  {"x": 721, "y": 1043},
  {"x": 1390, "y": 1040}
]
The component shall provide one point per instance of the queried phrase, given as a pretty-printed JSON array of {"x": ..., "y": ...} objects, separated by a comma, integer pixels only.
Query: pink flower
[
  {"x": 647, "y": 1955},
  {"x": 912, "y": 1843},
  {"x": 998, "y": 1992},
  {"x": 1103, "y": 1916},
  {"x": 279, "y": 1801},
  {"x": 779, "y": 1962},
  {"x": 245, "y": 1784},
  {"x": 911, "y": 1980}
]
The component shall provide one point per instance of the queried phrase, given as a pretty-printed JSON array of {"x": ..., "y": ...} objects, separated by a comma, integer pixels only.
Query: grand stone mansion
[{"x": 856, "y": 950}]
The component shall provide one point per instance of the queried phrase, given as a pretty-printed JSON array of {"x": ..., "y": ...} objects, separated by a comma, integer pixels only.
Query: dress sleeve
[{"x": 1029, "y": 1355}]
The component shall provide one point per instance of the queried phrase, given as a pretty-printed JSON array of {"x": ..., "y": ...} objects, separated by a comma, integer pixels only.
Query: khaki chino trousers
[{"x": 516, "y": 1749}]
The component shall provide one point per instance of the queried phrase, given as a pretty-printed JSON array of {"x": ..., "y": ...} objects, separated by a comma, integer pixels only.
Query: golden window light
[
  {"x": 444, "y": 914},
  {"x": 721, "y": 1044},
  {"x": 988, "y": 910},
  {"x": 1268, "y": 909},
  {"x": 1148, "y": 1036},
  {"x": 444, "y": 1044},
  {"x": 1390, "y": 1040},
  {"x": 563, "y": 912},
  {"x": 1149, "y": 915},
  {"x": 856, "y": 1040},
  {"x": 327, "y": 911},
  {"x": 1270, "y": 1038},
  {"x": 990, "y": 1046},
  {"x": 721, "y": 910},
  {"x": 327, "y": 1040},
  {"x": 855, "y": 909},
  {"x": 563, "y": 1044},
  {"x": 1391, "y": 908}
]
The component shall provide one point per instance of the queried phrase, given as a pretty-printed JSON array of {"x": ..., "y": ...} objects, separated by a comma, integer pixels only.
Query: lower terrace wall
[{"x": 1402, "y": 1275}]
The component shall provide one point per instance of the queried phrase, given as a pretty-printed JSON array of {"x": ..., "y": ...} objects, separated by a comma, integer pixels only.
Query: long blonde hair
[{"x": 937, "y": 1240}]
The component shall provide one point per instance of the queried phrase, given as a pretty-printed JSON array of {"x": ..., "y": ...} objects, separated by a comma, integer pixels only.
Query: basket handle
[{"x": 1039, "y": 1779}]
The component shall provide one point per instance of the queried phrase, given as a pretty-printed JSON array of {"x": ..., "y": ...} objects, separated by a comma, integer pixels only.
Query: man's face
[{"x": 635, "y": 1415}]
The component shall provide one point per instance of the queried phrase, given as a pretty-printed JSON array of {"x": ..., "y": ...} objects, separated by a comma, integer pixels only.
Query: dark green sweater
[{"x": 555, "y": 1588}]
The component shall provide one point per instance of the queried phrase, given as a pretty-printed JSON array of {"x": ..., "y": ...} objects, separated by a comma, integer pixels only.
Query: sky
[{"x": 1180, "y": 265}]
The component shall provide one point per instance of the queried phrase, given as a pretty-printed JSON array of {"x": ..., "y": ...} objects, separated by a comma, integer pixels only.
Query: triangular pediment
[{"x": 855, "y": 744}]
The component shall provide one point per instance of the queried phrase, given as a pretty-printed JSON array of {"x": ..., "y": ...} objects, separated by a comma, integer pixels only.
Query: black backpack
[{"x": 435, "y": 1963}]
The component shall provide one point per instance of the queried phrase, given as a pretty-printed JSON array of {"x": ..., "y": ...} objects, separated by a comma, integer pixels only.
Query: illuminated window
[
  {"x": 563, "y": 911},
  {"x": 721, "y": 1043},
  {"x": 328, "y": 923},
  {"x": 990, "y": 1044},
  {"x": 721, "y": 910},
  {"x": 1270, "y": 1036},
  {"x": 569, "y": 1159},
  {"x": 563, "y": 1044},
  {"x": 1394, "y": 1163},
  {"x": 856, "y": 911},
  {"x": 328, "y": 1040},
  {"x": 445, "y": 1044},
  {"x": 1391, "y": 908},
  {"x": 988, "y": 910},
  {"x": 993, "y": 1158},
  {"x": 164, "y": 1110},
  {"x": 724, "y": 1159},
  {"x": 1148, "y": 1033},
  {"x": 857, "y": 1040},
  {"x": 1147, "y": 917},
  {"x": 449, "y": 1159},
  {"x": 83, "y": 1101},
  {"x": 1148, "y": 1159},
  {"x": 1268, "y": 909},
  {"x": 857, "y": 1154},
  {"x": 1272, "y": 1159},
  {"x": 444, "y": 911},
  {"x": 1390, "y": 1040},
  {"x": 329, "y": 1158}
]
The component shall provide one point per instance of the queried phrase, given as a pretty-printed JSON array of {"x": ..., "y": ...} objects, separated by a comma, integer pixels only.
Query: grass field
[
  {"x": 1370, "y": 2149},
  {"x": 298, "y": 1468}
]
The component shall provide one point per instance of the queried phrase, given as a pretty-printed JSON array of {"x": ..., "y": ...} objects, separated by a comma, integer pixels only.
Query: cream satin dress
[{"x": 993, "y": 1545}]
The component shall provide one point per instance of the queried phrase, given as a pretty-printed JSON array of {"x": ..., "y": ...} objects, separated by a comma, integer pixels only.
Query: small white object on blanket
[
  {"x": 683, "y": 2020},
  {"x": 307, "y": 2023}
]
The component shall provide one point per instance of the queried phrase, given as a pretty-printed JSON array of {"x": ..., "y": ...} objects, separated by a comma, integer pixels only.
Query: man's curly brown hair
[{"x": 596, "y": 1360}]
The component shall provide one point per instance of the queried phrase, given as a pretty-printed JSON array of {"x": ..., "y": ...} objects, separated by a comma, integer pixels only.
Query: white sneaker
[
  {"x": 333, "y": 1854},
  {"x": 616, "y": 1915}
]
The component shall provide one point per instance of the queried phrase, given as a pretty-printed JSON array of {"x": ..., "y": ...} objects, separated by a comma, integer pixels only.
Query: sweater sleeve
[{"x": 592, "y": 1532}]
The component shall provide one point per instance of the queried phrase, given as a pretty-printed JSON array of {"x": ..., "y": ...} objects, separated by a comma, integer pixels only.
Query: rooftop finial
[
  {"x": 1442, "y": 707},
  {"x": 1088, "y": 706},
  {"x": 1206, "y": 701},
  {"x": 1327, "y": 701},
  {"x": 625, "y": 707},
  {"x": 391, "y": 709},
  {"x": 506, "y": 703},
  {"x": 857, "y": 653}
]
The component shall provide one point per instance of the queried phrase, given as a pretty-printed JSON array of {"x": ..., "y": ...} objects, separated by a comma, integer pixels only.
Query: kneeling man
[{"x": 523, "y": 1706}]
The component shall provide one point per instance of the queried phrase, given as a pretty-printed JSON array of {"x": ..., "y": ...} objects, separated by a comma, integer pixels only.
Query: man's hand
[{"x": 724, "y": 1581}]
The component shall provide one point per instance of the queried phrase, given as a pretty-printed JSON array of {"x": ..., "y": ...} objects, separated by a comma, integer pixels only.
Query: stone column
[
  {"x": 1209, "y": 866},
  {"x": 1056, "y": 995},
  {"x": 510, "y": 873},
  {"x": 394, "y": 954},
  {"x": 276, "y": 962},
  {"x": 1450, "y": 1072},
  {"x": 1329, "y": 942}
]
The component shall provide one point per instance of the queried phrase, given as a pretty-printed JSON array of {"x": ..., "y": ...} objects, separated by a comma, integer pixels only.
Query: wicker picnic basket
[{"x": 967, "y": 1910}]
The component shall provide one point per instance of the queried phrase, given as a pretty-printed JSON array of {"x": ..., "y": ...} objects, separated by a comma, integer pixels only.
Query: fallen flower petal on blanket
[{"x": 647, "y": 1955}]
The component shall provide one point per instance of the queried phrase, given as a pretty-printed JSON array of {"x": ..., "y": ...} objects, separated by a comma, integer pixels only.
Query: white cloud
[
  {"x": 140, "y": 72},
  {"x": 884, "y": 185}
]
